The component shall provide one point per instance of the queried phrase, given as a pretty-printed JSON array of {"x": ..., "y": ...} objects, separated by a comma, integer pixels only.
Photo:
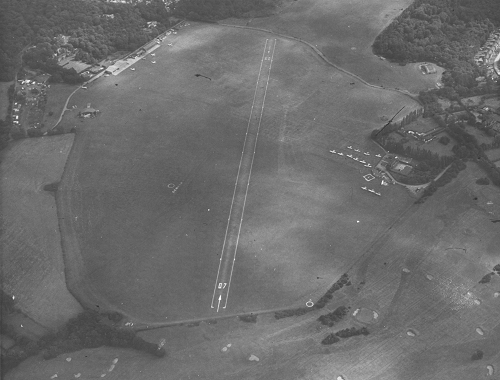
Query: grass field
[
  {"x": 153, "y": 252},
  {"x": 56, "y": 98},
  {"x": 344, "y": 31},
  {"x": 4, "y": 98},
  {"x": 134, "y": 244},
  {"x": 493, "y": 154},
  {"x": 32, "y": 263}
]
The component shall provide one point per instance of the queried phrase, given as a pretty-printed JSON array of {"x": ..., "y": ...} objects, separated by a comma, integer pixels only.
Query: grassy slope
[
  {"x": 344, "y": 31},
  {"x": 32, "y": 264}
]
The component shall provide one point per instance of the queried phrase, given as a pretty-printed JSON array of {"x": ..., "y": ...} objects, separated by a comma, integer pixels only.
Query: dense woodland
[
  {"x": 445, "y": 32},
  {"x": 95, "y": 29}
]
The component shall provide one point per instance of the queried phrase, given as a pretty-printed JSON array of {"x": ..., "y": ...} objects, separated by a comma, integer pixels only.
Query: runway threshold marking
[{"x": 236, "y": 211}]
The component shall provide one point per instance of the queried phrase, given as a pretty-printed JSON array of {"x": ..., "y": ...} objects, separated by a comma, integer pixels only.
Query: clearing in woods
[{"x": 148, "y": 187}]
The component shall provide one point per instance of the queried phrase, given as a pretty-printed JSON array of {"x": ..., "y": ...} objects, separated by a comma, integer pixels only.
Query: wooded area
[
  {"x": 446, "y": 32},
  {"x": 95, "y": 29}
]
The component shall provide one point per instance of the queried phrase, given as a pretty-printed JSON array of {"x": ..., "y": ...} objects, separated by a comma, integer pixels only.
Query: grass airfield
[
  {"x": 154, "y": 252},
  {"x": 418, "y": 267}
]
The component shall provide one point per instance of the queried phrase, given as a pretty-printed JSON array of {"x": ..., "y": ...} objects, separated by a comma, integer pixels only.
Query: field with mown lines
[{"x": 32, "y": 261}]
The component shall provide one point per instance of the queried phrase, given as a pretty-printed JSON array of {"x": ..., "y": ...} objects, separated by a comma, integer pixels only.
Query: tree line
[
  {"x": 446, "y": 32},
  {"x": 89, "y": 329},
  {"x": 321, "y": 303},
  {"x": 33, "y": 25}
]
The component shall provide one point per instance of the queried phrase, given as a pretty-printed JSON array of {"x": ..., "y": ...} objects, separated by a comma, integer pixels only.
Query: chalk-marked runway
[{"x": 235, "y": 220}]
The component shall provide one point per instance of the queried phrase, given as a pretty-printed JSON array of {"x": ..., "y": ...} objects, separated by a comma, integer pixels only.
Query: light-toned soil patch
[{"x": 32, "y": 262}]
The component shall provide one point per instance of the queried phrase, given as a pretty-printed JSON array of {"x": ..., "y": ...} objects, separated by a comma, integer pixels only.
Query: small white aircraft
[
  {"x": 366, "y": 153},
  {"x": 349, "y": 147},
  {"x": 357, "y": 150},
  {"x": 378, "y": 155},
  {"x": 152, "y": 54},
  {"x": 132, "y": 68},
  {"x": 340, "y": 154},
  {"x": 355, "y": 158},
  {"x": 349, "y": 155},
  {"x": 362, "y": 162},
  {"x": 153, "y": 61},
  {"x": 333, "y": 151},
  {"x": 371, "y": 190},
  {"x": 367, "y": 166},
  {"x": 377, "y": 193},
  {"x": 364, "y": 188}
]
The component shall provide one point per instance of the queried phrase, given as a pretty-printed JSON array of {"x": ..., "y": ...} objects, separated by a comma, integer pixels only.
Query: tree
[{"x": 444, "y": 140}]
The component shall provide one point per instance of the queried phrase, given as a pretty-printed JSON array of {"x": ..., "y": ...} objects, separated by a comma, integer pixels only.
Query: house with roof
[{"x": 88, "y": 112}]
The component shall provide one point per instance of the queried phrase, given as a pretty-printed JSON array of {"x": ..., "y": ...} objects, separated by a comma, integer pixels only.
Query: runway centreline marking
[
  {"x": 251, "y": 166},
  {"x": 236, "y": 211}
]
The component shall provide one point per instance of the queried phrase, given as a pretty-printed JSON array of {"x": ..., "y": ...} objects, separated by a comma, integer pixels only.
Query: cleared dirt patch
[{"x": 32, "y": 262}]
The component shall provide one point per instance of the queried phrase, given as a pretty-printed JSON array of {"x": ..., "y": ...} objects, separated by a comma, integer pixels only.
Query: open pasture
[
  {"x": 4, "y": 98},
  {"x": 149, "y": 185},
  {"x": 344, "y": 32},
  {"x": 31, "y": 257}
]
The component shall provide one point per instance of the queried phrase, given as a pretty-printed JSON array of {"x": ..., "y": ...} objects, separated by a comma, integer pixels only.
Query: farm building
[
  {"x": 88, "y": 112},
  {"x": 428, "y": 68},
  {"x": 404, "y": 160},
  {"x": 111, "y": 69}
]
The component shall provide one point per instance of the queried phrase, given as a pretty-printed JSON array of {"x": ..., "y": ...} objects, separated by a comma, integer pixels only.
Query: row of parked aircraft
[
  {"x": 365, "y": 164},
  {"x": 365, "y": 153},
  {"x": 371, "y": 190},
  {"x": 361, "y": 161}
]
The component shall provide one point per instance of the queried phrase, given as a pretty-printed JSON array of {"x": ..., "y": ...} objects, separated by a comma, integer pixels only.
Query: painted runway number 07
[{"x": 222, "y": 285}]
